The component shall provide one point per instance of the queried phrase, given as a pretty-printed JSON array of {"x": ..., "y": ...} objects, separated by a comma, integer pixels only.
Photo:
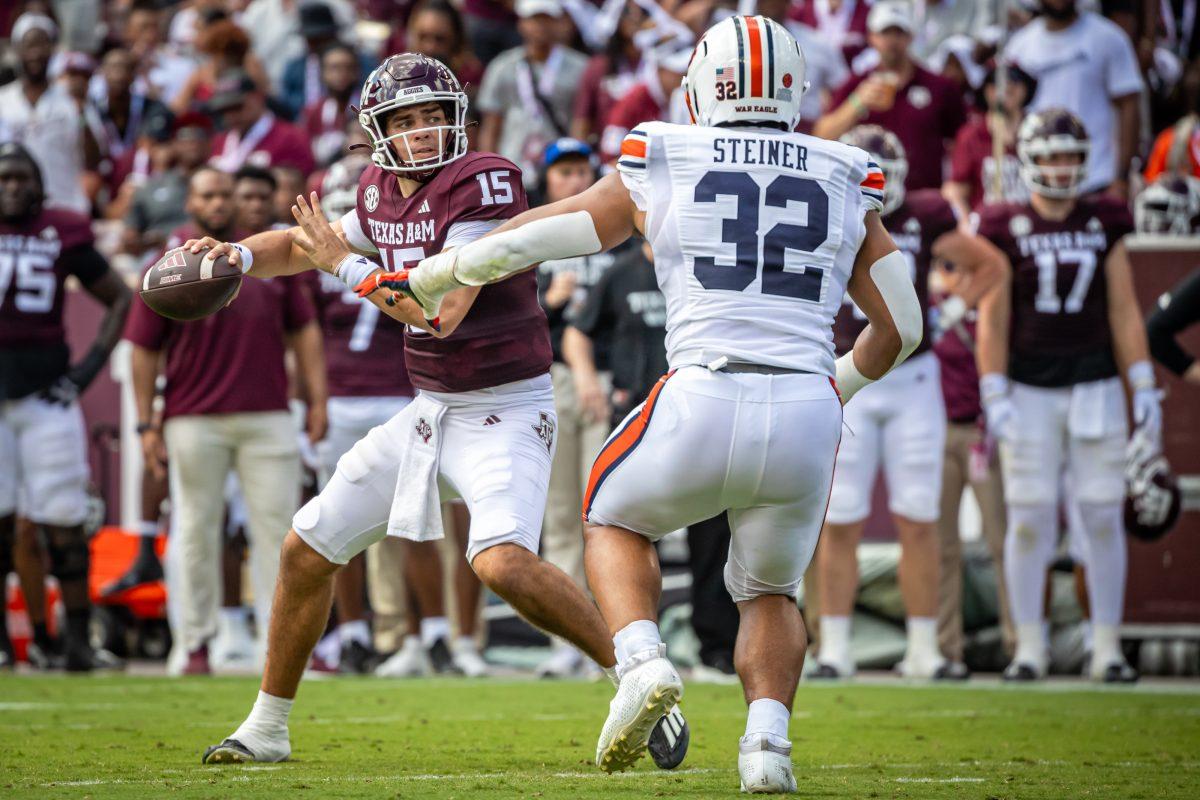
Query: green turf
[{"x": 142, "y": 738}]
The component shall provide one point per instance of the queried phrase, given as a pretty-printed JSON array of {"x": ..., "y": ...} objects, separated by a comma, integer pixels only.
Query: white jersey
[{"x": 755, "y": 233}]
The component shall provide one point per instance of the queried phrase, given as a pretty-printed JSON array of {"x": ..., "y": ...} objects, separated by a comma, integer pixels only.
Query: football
[{"x": 186, "y": 286}]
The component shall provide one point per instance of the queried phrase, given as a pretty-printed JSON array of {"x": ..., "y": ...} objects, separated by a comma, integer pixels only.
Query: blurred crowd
[{"x": 161, "y": 119}]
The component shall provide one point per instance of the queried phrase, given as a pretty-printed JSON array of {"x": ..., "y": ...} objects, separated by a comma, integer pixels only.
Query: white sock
[
  {"x": 611, "y": 674},
  {"x": 148, "y": 527},
  {"x": 356, "y": 630},
  {"x": 233, "y": 616},
  {"x": 636, "y": 637},
  {"x": 432, "y": 629},
  {"x": 1028, "y": 550},
  {"x": 1031, "y": 645},
  {"x": 922, "y": 639},
  {"x": 1107, "y": 560},
  {"x": 1107, "y": 644},
  {"x": 770, "y": 717},
  {"x": 266, "y": 724},
  {"x": 835, "y": 641},
  {"x": 411, "y": 643},
  {"x": 466, "y": 643}
]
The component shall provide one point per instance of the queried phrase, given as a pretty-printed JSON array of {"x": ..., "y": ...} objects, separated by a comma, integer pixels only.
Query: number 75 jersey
[{"x": 754, "y": 233}]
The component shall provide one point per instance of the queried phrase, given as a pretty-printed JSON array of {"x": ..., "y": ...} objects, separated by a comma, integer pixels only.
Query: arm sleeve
[
  {"x": 632, "y": 163},
  {"x": 85, "y": 263},
  {"x": 461, "y": 233},
  {"x": 1177, "y": 310},
  {"x": 1122, "y": 75}
]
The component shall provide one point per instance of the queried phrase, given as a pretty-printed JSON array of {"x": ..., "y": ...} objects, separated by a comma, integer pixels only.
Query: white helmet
[{"x": 746, "y": 70}]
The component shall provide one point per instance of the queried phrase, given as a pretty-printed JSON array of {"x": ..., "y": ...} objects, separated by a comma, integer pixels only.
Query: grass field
[{"x": 142, "y": 738}]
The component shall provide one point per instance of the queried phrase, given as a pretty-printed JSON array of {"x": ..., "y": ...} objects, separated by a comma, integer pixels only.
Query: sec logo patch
[{"x": 371, "y": 197}]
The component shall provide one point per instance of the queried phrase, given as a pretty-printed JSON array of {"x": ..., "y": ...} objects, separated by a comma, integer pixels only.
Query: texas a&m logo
[
  {"x": 545, "y": 430},
  {"x": 424, "y": 431}
]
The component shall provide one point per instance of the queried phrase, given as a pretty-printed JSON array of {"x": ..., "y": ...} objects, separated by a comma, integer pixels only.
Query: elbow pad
[
  {"x": 891, "y": 277},
  {"x": 493, "y": 258}
]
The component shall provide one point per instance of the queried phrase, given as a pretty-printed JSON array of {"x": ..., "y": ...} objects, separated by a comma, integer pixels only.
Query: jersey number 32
[{"x": 742, "y": 231}]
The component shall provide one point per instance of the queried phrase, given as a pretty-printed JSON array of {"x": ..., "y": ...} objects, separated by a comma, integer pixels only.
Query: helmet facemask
[
  {"x": 1046, "y": 179},
  {"x": 451, "y": 142}
]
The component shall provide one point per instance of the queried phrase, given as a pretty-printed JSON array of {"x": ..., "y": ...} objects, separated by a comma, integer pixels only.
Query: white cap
[
  {"x": 34, "y": 22},
  {"x": 531, "y": 8},
  {"x": 891, "y": 14}
]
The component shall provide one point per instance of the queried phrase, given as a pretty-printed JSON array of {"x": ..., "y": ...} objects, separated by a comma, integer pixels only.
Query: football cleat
[
  {"x": 355, "y": 659},
  {"x": 829, "y": 672},
  {"x": 668, "y": 742},
  {"x": 469, "y": 660},
  {"x": 952, "y": 671},
  {"x": 921, "y": 668},
  {"x": 410, "y": 661},
  {"x": 442, "y": 660},
  {"x": 43, "y": 657},
  {"x": 1020, "y": 671},
  {"x": 564, "y": 662},
  {"x": 80, "y": 657},
  {"x": 139, "y": 573},
  {"x": 232, "y": 751},
  {"x": 650, "y": 687},
  {"x": 764, "y": 766},
  {"x": 1115, "y": 672}
]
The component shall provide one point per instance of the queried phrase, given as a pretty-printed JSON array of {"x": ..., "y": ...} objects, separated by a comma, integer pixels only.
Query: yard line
[{"x": 939, "y": 780}]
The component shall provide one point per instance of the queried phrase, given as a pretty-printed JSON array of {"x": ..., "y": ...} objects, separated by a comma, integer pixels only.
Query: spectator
[
  {"x": 325, "y": 119},
  {"x": 225, "y": 407},
  {"x": 608, "y": 77},
  {"x": 291, "y": 183},
  {"x": 253, "y": 135},
  {"x": 1086, "y": 64},
  {"x": 1177, "y": 310},
  {"x": 116, "y": 113},
  {"x": 491, "y": 27},
  {"x": 304, "y": 76},
  {"x": 971, "y": 459},
  {"x": 254, "y": 199},
  {"x": 938, "y": 20},
  {"x": 825, "y": 68},
  {"x": 1177, "y": 149},
  {"x": 923, "y": 109},
  {"x": 158, "y": 203},
  {"x": 160, "y": 66},
  {"x": 580, "y": 399},
  {"x": 76, "y": 71},
  {"x": 841, "y": 23},
  {"x": 528, "y": 91},
  {"x": 43, "y": 117},
  {"x": 435, "y": 29},
  {"x": 656, "y": 97},
  {"x": 277, "y": 36},
  {"x": 975, "y": 177},
  {"x": 224, "y": 46}
]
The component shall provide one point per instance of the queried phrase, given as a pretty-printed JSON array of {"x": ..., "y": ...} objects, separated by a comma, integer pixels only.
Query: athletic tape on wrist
[
  {"x": 1141, "y": 375},
  {"x": 354, "y": 269},
  {"x": 246, "y": 258}
]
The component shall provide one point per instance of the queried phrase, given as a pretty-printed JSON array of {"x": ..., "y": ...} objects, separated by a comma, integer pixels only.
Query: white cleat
[
  {"x": 233, "y": 648},
  {"x": 563, "y": 662},
  {"x": 235, "y": 751},
  {"x": 410, "y": 661},
  {"x": 765, "y": 767},
  {"x": 927, "y": 669},
  {"x": 468, "y": 658},
  {"x": 650, "y": 687}
]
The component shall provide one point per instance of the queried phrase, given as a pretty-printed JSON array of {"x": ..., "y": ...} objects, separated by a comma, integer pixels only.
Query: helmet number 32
[{"x": 742, "y": 231}]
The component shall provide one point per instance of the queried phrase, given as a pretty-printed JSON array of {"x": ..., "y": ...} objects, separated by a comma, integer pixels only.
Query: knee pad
[
  {"x": 743, "y": 584},
  {"x": 68, "y": 549}
]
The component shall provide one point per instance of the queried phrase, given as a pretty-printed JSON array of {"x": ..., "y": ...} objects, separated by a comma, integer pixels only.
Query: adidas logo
[
  {"x": 424, "y": 209},
  {"x": 491, "y": 420}
]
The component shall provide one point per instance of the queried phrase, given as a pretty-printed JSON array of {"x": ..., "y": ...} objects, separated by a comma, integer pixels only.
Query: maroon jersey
[
  {"x": 1059, "y": 333},
  {"x": 914, "y": 226},
  {"x": 364, "y": 348},
  {"x": 504, "y": 336},
  {"x": 972, "y": 162}
]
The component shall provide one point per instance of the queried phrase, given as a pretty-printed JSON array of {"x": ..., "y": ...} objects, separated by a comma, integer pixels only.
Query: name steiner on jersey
[
  {"x": 401, "y": 232},
  {"x": 768, "y": 152}
]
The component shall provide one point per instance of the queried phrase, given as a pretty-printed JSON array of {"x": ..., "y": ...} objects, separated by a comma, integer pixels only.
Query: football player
[
  {"x": 482, "y": 426},
  {"x": 1054, "y": 340},
  {"x": 757, "y": 235},
  {"x": 43, "y": 444},
  {"x": 898, "y": 424}
]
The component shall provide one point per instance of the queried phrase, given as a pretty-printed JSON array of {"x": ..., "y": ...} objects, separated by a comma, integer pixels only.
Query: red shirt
[
  {"x": 283, "y": 144},
  {"x": 960, "y": 378},
  {"x": 971, "y": 162},
  {"x": 232, "y": 361},
  {"x": 602, "y": 86},
  {"x": 928, "y": 112}
]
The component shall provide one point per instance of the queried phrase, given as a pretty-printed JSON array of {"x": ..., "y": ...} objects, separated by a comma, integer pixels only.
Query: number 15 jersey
[{"x": 754, "y": 233}]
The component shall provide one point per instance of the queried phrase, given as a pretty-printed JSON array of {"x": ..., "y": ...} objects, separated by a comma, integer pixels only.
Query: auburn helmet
[
  {"x": 1048, "y": 133},
  {"x": 885, "y": 149},
  {"x": 410, "y": 79},
  {"x": 1152, "y": 499},
  {"x": 1170, "y": 205},
  {"x": 746, "y": 70}
]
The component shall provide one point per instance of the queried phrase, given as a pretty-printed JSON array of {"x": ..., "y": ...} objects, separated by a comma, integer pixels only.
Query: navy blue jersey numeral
[{"x": 742, "y": 231}]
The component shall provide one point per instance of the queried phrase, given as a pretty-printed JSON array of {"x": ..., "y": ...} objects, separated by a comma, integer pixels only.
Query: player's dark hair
[{"x": 249, "y": 172}]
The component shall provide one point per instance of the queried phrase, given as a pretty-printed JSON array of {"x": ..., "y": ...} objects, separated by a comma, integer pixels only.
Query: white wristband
[
  {"x": 354, "y": 269},
  {"x": 992, "y": 386},
  {"x": 849, "y": 380},
  {"x": 1140, "y": 375},
  {"x": 246, "y": 258}
]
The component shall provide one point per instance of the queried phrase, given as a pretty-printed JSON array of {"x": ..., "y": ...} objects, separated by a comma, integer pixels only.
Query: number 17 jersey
[{"x": 755, "y": 233}]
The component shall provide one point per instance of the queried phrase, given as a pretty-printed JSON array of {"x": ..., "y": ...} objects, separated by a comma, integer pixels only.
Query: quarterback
[{"x": 758, "y": 233}]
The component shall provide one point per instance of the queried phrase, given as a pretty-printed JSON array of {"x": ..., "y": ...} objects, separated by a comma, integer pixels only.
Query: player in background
[
  {"x": 757, "y": 235},
  {"x": 43, "y": 445},
  {"x": 482, "y": 426},
  {"x": 1054, "y": 340},
  {"x": 899, "y": 425}
]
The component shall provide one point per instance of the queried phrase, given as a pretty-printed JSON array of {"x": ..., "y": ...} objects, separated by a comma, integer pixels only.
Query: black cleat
[
  {"x": 1020, "y": 672},
  {"x": 230, "y": 751},
  {"x": 442, "y": 660},
  {"x": 44, "y": 657},
  {"x": 141, "y": 571},
  {"x": 952, "y": 671},
  {"x": 356, "y": 659},
  {"x": 82, "y": 658},
  {"x": 668, "y": 743},
  {"x": 825, "y": 672},
  {"x": 1120, "y": 672}
]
